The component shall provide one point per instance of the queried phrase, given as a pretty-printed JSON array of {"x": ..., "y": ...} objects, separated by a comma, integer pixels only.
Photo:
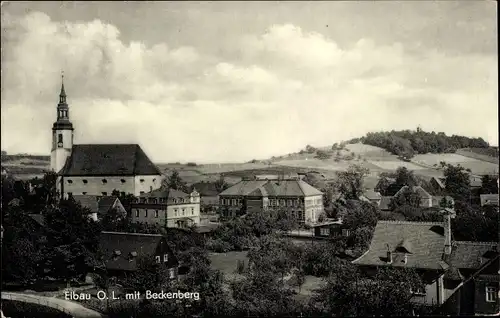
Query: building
[
  {"x": 428, "y": 248},
  {"x": 300, "y": 199},
  {"x": 371, "y": 196},
  {"x": 489, "y": 199},
  {"x": 209, "y": 198},
  {"x": 97, "y": 169},
  {"x": 437, "y": 184},
  {"x": 171, "y": 208},
  {"x": 121, "y": 251},
  {"x": 99, "y": 206},
  {"x": 330, "y": 229},
  {"x": 426, "y": 200}
]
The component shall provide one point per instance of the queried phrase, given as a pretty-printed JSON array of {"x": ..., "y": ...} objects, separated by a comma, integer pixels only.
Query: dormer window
[
  {"x": 104, "y": 181},
  {"x": 122, "y": 180},
  {"x": 142, "y": 180},
  {"x": 84, "y": 181},
  {"x": 70, "y": 181}
]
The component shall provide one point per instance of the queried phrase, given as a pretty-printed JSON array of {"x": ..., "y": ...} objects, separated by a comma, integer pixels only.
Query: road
[{"x": 72, "y": 308}]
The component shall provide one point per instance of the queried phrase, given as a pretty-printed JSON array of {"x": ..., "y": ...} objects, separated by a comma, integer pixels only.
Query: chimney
[
  {"x": 389, "y": 255},
  {"x": 405, "y": 260},
  {"x": 447, "y": 231}
]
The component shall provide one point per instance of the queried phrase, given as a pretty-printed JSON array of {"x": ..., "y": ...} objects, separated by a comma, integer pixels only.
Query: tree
[
  {"x": 405, "y": 177},
  {"x": 360, "y": 214},
  {"x": 221, "y": 184},
  {"x": 382, "y": 185},
  {"x": 148, "y": 276},
  {"x": 388, "y": 293},
  {"x": 407, "y": 197},
  {"x": 322, "y": 155},
  {"x": 457, "y": 182},
  {"x": 72, "y": 241},
  {"x": 174, "y": 181},
  {"x": 489, "y": 185},
  {"x": 310, "y": 149},
  {"x": 350, "y": 183}
]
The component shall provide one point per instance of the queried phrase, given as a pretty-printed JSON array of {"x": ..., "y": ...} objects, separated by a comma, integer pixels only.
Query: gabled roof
[
  {"x": 106, "y": 203},
  {"x": 385, "y": 201},
  {"x": 108, "y": 160},
  {"x": 418, "y": 189},
  {"x": 439, "y": 182},
  {"x": 372, "y": 195},
  {"x": 88, "y": 201},
  {"x": 126, "y": 244},
  {"x": 471, "y": 255},
  {"x": 39, "y": 219},
  {"x": 272, "y": 188},
  {"x": 206, "y": 188},
  {"x": 424, "y": 239},
  {"x": 489, "y": 199}
]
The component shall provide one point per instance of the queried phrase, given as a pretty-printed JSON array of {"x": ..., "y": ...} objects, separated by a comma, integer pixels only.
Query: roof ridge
[
  {"x": 130, "y": 233},
  {"x": 410, "y": 222},
  {"x": 475, "y": 243},
  {"x": 301, "y": 186}
]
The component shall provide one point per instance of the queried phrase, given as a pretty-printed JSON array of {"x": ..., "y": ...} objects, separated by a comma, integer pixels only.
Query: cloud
[{"x": 289, "y": 87}]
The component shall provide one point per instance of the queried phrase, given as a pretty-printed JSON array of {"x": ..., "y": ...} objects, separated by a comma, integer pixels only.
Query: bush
[
  {"x": 218, "y": 246},
  {"x": 191, "y": 164},
  {"x": 240, "y": 267}
]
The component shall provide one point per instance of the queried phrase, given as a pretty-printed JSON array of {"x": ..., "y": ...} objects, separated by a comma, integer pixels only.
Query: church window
[
  {"x": 60, "y": 138},
  {"x": 104, "y": 181},
  {"x": 70, "y": 181},
  {"x": 84, "y": 181},
  {"x": 122, "y": 180},
  {"x": 192, "y": 211},
  {"x": 104, "y": 193}
]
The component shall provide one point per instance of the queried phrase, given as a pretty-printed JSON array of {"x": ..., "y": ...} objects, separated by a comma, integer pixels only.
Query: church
[{"x": 98, "y": 169}]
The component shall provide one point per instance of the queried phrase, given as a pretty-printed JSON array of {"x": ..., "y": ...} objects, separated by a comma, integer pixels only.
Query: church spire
[{"x": 62, "y": 95}]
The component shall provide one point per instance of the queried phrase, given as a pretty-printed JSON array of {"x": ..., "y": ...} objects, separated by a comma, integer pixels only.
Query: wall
[
  {"x": 58, "y": 156},
  {"x": 167, "y": 215},
  {"x": 147, "y": 184},
  {"x": 481, "y": 306},
  {"x": 313, "y": 207},
  {"x": 94, "y": 185},
  {"x": 150, "y": 218},
  {"x": 176, "y": 212}
]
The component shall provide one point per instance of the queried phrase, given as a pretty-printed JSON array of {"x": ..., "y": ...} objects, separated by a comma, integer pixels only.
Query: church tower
[{"x": 62, "y": 134}]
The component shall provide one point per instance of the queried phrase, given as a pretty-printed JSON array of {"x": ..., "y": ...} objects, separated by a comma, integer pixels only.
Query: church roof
[{"x": 108, "y": 160}]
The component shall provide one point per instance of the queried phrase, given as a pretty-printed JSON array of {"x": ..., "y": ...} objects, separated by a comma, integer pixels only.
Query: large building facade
[
  {"x": 98, "y": 169},
  {"x": 170, "y": 208},
  {"x": 300, "y": 199}
]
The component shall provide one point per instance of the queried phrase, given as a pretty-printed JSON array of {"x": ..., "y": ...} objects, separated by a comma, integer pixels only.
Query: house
[
  {"x": 426, "y": 200},
  {"x": 371, "y": 196},
  {"x": 121, "y": 251},
  {"x": 478, "y": 294},
  {"x": 97, "y": 169},
  {"x": 475, "y": 181},
  {"x": 425, "y": 197},
  {"x": 489, "y": 199},
  {"x": 100, "y": 205},
  {"x": 171, "y": 208},
  {"x": 428, "y": 248},
  {"x": 437, "y": 184},
  {"x": 300, "y": 199},
  {"x": 330, "y": 229},
  {"x": 208, "y": 194}
]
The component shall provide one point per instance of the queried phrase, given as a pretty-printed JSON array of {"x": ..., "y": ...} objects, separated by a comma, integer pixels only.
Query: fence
[{"x": 36, "y": 300}]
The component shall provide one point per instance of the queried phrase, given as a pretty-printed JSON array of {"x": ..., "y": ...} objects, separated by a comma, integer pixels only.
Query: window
[
  {"x": 175, "y": 212},
  {"x": 84, "y": 193},
  {"x": 302, "y": 215},
  {"x": 70, "y": 181},
  {"x": 136, "y": 213},
  {"x": 289, "y": 202},
  {"x": 418, "y": 291},
  {"x": 234, "y": 201},
  {"x": 183, "y": 211},
  {"x": 158, "y": 259},
  {"x": 171, "y": 273},
  {"x": 84, "y": 181},
  {"x": 142, "y": 180},
  {"x": 122, "y": 180},
  {"x": 325, "y": 231},
  {"x": 239, "y": 201},
  {"x": 60, "y": 138},
  {"x": 282, "y": 202},
  {"x": 192, "y": 211},
  {"x": 146, "y": 213},
  {"x": 156, "y": 213},
  {"x": 104, "y": 193},
  {"x": 104, "y": 181},
  {"x": 345, "y": 232},
  {"x": 296, "y": 203},
  {"x": 162, "y": 200},
  {"x": 152, "y": 200},
  {"x": 491, "y": 294},
  {"x": 154, "y": 179},
  {"x": 165, "y": 258},
  {"x": 174, "y": 200}
]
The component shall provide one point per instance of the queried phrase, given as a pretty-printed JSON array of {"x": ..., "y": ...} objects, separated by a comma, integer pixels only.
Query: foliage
[
  {"x": 385, "y": 294},
  {"x": 489, "y": 185},
  {"x": 426, "y": 216},
  {"x": 408, "y": 142},
  {"x": 472, "y": 224},
  {"x": 221, "y": 184},
  {"x": 174, "y": 181},
  {"x": 72, "y": 241},
  {"x": 310, "y": 149},
  {"x": 322, "y": 155},
  {"x": 457, "y": 182},
  {"x": 405, "y": 177},
  {"x": 350, "y": 183},
  {"x": 360, "y": 214},
  {"x": 148, "y": 276},
  {"x": 382, "y": 185},
  {"x": 407, "y": 197}
]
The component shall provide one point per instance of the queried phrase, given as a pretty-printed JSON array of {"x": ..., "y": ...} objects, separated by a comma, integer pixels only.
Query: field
[
  {"x": 478, "y": 167},
  {"x": 488, "y": 155}
]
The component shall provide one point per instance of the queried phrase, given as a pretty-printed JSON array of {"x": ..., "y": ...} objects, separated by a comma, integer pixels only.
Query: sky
[{"x": 235, "y": 81}]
